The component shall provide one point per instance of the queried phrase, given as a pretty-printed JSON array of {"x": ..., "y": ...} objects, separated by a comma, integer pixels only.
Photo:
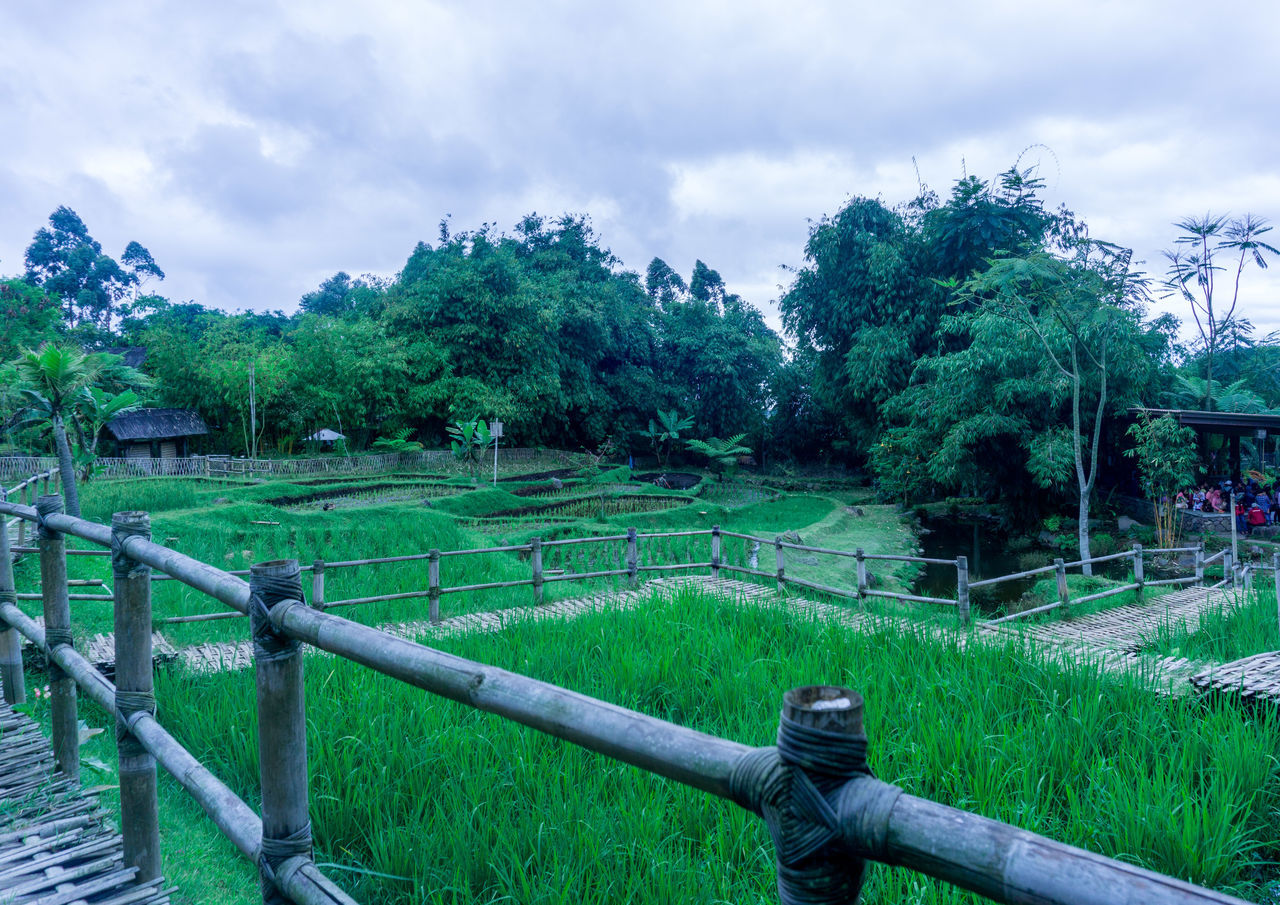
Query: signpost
[{"x": 495, "y": 428}]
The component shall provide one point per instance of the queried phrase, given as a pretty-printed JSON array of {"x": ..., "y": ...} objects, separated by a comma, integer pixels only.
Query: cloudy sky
[{"x": 257, "y": 147}]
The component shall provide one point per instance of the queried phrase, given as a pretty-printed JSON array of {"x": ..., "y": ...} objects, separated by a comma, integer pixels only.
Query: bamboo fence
[{"x": 827, "y": 813}]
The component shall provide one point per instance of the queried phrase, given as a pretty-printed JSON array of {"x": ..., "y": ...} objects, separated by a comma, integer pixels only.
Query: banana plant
[
  {"x": 469, "y": 440},
  {"x": 663, "y": 434}
]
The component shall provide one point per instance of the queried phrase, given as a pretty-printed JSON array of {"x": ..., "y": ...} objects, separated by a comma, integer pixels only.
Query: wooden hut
[{"x": 156, "y": 433}]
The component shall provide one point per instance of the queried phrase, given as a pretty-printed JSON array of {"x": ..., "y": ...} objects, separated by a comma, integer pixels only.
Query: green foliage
[
  {"x": 724, "y": 455},
  {"x": 398, "y": 442},
  {"x": 28, "y": 317},
  {"x": 70, "y": 265},
  {"x": 1196, "y": 263},
  {"x": 1166, "y": 454},
  {"x": 469, "y": 440},
  {"x": 663, "y": 434}
]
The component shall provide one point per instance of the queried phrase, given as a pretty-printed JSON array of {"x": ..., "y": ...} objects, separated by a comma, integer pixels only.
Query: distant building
[{"x": 155, "y": 433}]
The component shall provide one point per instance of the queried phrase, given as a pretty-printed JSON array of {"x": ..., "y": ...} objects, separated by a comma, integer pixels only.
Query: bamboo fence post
[
  {"x": 1200, "y": 565},
  {"x": 862, "y": 577},
  {"x": 139, "y": 801},
  {"x": 317, "y": 584},
  {"x": 962, "y": 588},
  {"x": 535, "y": 557},
  {"x": 1064, "y": 593},
  {"x": 633, "y": 558},
  {"x": 1228, "y": 568},
  {"x": 715, "y": 552},
  {"x": 15, "y": 682},
  {"x": 1138, "y": 573},
  {"x": 433, "y": 584},
  {"x": 57, "y": 632},
  {"x": 282, "y": 723},
  {"x": 1275, "y": 575},
  {"x": 22, "y": 523},
  {"x": 782, "y": 564},
  {"x": 829, "y": 873}
]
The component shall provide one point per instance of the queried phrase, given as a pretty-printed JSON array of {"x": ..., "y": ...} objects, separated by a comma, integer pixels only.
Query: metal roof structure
[{"x": 1226, "y": 423}]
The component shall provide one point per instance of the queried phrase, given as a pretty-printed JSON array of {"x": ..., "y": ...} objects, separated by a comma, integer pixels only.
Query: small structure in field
[
  {"x": 156, "y": 433},
  {"x": 325, "y": 437}
]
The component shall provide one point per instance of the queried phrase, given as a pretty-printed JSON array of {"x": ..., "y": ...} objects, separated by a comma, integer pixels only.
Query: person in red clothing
[{"x": 1256, "y": 518}]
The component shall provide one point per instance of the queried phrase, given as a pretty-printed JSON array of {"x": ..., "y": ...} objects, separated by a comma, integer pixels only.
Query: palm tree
[{"x": 51, "y": 381}]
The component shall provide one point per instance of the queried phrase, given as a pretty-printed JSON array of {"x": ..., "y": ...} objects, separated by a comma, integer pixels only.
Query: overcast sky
[{"x": 256, "y": 147}]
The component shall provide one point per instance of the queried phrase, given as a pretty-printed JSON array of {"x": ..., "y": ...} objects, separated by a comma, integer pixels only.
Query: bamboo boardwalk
[
  {"x": 1094, "y": 639},
  {"x": 1251, "y": 679},
  {"x": 57, "y": 846}
]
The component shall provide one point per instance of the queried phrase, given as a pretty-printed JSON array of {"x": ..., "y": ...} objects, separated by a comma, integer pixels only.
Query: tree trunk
[
  {"x": 1208, "y": 378},
  {"x": 1087, "y": 568},
  {"x": 66, "y": 466}
]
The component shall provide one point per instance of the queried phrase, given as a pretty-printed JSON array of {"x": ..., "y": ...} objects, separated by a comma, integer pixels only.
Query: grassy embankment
[{"x": 467, "y": 807}]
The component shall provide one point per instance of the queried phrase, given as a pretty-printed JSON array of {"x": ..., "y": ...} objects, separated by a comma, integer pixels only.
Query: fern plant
[{"x": 722, "y": 455}]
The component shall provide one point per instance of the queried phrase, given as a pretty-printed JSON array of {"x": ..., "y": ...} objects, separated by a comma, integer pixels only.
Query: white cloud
[{"x": 257, "y": 147}]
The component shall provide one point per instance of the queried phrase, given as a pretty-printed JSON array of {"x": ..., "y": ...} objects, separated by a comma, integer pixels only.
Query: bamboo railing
[
  {"x": 24, "y": 492},
  {"x": 629, "y": 560},
  {"x": 227, "y": 466},
  {"x": 828, "y": 814}
]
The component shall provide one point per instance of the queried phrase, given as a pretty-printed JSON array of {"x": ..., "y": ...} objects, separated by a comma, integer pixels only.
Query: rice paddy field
[
  {"x": 234, "y": 524},
  {"x": 418, "y": 799}
]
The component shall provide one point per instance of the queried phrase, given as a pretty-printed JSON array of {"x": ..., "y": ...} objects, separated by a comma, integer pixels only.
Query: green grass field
[
  {"x": 215, "y": 523},
  {"x": 466, "y": 807},
  {"x": 419, "y": 799}
]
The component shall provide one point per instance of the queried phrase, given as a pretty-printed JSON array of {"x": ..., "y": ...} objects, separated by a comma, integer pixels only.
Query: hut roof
[
  {"x": 324, "y": 435},
  {"x": 133, "y": 356},
  {"x": 157, "y": 424}
]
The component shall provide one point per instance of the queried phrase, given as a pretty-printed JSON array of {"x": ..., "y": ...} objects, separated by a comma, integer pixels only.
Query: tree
[
  {"x": 1194, "y": 267},
  {"x": 867, "y": 304},
  {"x": 1166, "y": 454},
  {"x": 469, "y": 440},
  {"x": 95, "y": 408},
  {"x": 51, "y": 380},
  {"x": 663, "y": 434},
  {"x": 1081, "y": 314},
  {"x": 28, "y": 317},
  {"x": 724, "y": 455},
  {"x": 70, "y": 265}
]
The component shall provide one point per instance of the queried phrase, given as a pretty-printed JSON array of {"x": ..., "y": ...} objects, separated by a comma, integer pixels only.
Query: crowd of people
[{"x": 1255, "y": 505}]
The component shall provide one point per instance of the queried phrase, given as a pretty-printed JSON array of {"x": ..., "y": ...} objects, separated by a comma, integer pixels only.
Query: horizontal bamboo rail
[
  {"x": 1012, "y": 577},
  {"x": 869, "y": 819}
]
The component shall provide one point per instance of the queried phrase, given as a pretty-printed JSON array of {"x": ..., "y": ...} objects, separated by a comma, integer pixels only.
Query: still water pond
[{"x": 987, "y": 547}]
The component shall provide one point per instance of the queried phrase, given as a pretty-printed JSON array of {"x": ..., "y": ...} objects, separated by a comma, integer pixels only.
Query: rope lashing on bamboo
[
  {"x": 132, "y": 706},
  {"x": 801, "y": 788},
  {"x": 275, "y": 852},
  {"x": 265, "y": 591},
  {"x": 58, "y": 637},
  {"x": 46, "y": 506},
  {"x": 124, "y": 526}
]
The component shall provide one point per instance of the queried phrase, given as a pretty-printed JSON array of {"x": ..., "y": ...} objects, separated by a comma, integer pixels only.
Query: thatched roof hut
[{"x": 156, "y": 433}]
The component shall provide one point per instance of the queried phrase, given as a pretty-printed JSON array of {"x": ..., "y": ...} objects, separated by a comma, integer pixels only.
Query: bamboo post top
[{"x": 828, "y": 707}]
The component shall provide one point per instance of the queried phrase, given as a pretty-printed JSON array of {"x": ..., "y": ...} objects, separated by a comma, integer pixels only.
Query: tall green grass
[
  {"x": 1241, "y": 626},
  {"x": 468, "y": 807}
]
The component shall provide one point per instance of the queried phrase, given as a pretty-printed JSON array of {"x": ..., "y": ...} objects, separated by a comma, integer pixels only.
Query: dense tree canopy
[{"x": 977, "y": 345}]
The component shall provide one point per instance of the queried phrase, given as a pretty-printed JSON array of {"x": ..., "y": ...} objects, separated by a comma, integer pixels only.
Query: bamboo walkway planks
[
  {"x": 1255, "y": 678},
  {"x": 1126, "y": 628},
  {"x": 57, "y": 846}
]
